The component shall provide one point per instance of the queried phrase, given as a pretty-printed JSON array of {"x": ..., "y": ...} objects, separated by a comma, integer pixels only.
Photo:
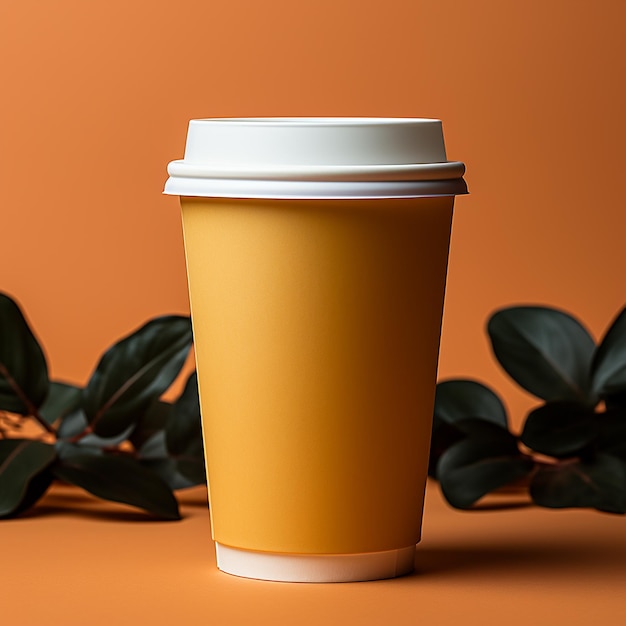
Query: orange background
[{"x": 96, "y": 99}]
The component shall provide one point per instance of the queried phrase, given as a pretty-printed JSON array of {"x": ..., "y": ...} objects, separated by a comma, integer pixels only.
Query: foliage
[
  {"x": 115, "y": 438},
  {"x": 572, "y": 448},
  {"x": 118, "y": 440}
]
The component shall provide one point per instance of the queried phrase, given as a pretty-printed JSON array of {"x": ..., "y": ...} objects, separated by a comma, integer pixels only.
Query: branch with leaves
[
  {"x": 115, "y": 438},
  {"x": 572, "y": 448}
]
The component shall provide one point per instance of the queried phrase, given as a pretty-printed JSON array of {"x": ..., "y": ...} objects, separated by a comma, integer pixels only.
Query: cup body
[{"x": 316, "y": 326}]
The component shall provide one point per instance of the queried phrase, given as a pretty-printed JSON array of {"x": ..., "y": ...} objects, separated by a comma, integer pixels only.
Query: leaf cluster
[
  {"x": 572, "y": 448},
  {"x": 114, "y": 438}
]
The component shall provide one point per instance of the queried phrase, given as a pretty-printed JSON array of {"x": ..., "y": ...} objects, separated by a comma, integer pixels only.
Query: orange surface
[
  {"x": 96, "y": 98},
  {"x": 105, "y": 565}
]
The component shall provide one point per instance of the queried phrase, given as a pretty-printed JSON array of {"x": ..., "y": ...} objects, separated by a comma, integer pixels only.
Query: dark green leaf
[
  {"x": 559, "y": 428},
  {"x": 462, "y": 399},
  {"x": 443, "y": 436},
  {"x": 154, "y": 448},
  {"x": 76, "y": 422},
  {"x": 134, "y": 372},
  {"x": 488, "y": 459},
  {"x": 151, "y": 422},
  {"x": 192, "y": 468},
  {"x": 153, "y": 455},
  {"x": 457, "y": 400},
  {"x": 120, "y": 479},
  {"x": 611, "y": 428},
  {"x": 37, "y": 487},
  {"x": 616, "y": 400},
  {"x": 599, "y": 483},
  {"x": 167, "y": 470},
  {"x": 65, "y": 449},
  {"x": 23, "y": 369},
  {"x": 609, "y": 361},
  {"x": 546, "y": 351},
  {"x": 72, "y": 424},
  {"x": 61, "y": 400},
  {"x": 183, "y": 433},
  {"x": 20, "y": 461}
]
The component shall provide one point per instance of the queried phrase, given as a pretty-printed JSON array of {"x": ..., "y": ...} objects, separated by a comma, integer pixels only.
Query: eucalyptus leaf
[
  {"x": 134, "y": 372},
  {"x": 23, "y": 369},
  {"x": 546, "y": 351},
  {"x": 609, "y": 361},
  {"x": 61, "y": 400},
  {"x": 487, "y": 459},
  {"x": 598, "y": 483},
  {"x": 120, "y": 479},
  {"x": 21, "y": 460},
  {"x": 559, "y": 428}
]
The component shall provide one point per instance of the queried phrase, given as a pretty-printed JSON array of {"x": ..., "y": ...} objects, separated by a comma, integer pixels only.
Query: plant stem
[
  {"x": 30, "y": 407},
  {"x": 76, "y": 438}
]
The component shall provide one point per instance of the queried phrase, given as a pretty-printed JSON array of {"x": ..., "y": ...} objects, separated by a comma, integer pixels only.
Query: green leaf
[
  {"x": 152, "y": 421},
  {"x": 611, "y": 427},
  {"x": 183, "y": 433},
  {"x": 61, "y": 400},
  {"x": 192, "y": 468},
  {"x": 134, "y": 372},
  {"x": 75, "y": 423},
  {"x": 72, "y": 424},
  {"x": 599, "y": 483},
  {"x": 488, "y": 459},
  {"x": 559, "y": 428},
  {"x": 546, "y": 351},
  {"x": 616, "y": 400},
  {"x": 65, "y": 449},
  {"x": 457, "y": 400},
  {"x": 37, "y": 487},
  {"x": 444, "y": 436},
  {"x": 21, "y": 460},
  {"x": 462, "y": 399},
  {"x": 153, "y": 455},
  {"x": 23, "y": 369},
  {"x": 609, "y": 362},
  {"x": 167, "y": 470},
  {"x": 120, "y": 479}
]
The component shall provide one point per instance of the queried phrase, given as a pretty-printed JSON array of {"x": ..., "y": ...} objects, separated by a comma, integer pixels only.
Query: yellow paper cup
[{"x": 316, "y": 255}]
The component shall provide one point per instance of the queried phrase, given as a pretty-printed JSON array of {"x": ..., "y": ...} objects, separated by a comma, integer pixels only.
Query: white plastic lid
[{"x": 315, "y": 158}]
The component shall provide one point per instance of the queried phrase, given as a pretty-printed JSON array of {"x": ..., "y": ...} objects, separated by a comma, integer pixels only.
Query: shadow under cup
[{"x": 316, "y": 328}]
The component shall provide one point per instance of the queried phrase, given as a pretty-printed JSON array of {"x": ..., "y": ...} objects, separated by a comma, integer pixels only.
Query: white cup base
[{"x": 315, "y": 568}]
